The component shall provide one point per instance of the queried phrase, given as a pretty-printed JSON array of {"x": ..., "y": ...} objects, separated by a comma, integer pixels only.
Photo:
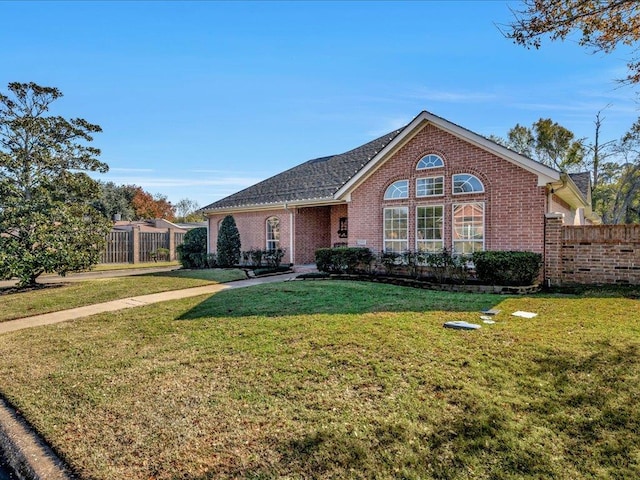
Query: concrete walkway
[{"x": 133, "y": 302}]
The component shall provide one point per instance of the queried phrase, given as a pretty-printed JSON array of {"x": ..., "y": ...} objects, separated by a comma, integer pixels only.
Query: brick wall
[
  {"x": 253, "y": 229},
  {"x": 514, "y": 204},
  {"x": 591, "y": 254},
  {"x": 312, "y": 231}
]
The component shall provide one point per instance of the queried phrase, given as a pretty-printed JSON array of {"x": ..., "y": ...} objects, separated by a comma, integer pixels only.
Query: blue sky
[{"x": 201, "y": 99}]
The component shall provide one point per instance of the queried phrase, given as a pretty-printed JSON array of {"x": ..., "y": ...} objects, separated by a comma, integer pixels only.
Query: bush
[
  {"x": 193, "y": 251},
  {"x": 447, "y": 266},
  {"x": 507, "y": 268},
  {"x": 161, "y": 254},
  {"x": 228, "y": 243},
  {"x": 344, "y": 259}
]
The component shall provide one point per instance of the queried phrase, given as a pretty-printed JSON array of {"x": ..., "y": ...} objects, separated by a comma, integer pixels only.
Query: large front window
[
  {"x": 468, "y": 228},
  {"x": 396, "y": 229},
  {"x": 273, "y": 233},
  {"x": 429, "y": 233}
]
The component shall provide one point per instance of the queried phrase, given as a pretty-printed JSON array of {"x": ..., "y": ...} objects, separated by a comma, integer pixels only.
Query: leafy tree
[
  {"x": 187, "y": 211},
  {"x": 47, "y": 221},
  {"x": 116, "y": 200},
  {"x": 146, "y": 205},
  {"x": 193, "y": 250},
  {"x": 228, "y": 243},
  {"x": 547, "y": 142},
  {"x": 601, "y": 24},
  {"x": 617, "y": 196}
]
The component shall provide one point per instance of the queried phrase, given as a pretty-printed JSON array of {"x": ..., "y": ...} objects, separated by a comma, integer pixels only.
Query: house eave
[
  {"x": 317, "y": 202},
  {"x": 544, "y": 174}
]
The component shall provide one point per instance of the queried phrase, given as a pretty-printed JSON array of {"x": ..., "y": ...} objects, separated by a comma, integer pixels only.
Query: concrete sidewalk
[{"x": 132, "y": 302}]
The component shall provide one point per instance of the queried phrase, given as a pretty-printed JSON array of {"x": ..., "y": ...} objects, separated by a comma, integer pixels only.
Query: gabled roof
[
  {"x": 583, "y": 182},
  {"x": 315, "y": 180},
  {"x": 331, "y": 179}
]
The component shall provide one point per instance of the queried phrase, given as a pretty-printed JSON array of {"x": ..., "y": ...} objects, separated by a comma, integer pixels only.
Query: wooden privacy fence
[{"x": 135, "y": 246}]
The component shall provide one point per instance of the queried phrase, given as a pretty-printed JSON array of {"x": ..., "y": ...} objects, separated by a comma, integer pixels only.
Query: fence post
[
  {"x": 553, "y": 248},
  {"x": 172, "y": 244},
  {"x": 135, "y": 244}
]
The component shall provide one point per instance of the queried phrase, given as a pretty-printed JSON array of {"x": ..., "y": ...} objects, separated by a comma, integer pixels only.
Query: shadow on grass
[
  {"x": 333, "y": 297},
  {"x": 575, "y": 416}
]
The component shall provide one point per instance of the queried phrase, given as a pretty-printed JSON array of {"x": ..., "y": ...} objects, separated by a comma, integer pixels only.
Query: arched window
[
  {"x": 430, "y": 161},
  {"x": 399, "y": 189},
  {"x": 273, "y": 233},
  {"x": 467, "y": 183}
]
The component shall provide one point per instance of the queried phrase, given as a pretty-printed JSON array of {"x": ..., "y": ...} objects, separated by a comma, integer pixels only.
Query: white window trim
[
  {"x": 484, "y": 223},
  {"x": 384, "y": 230},
  {"x": 266, "y": 231},
  {"x": 453, "y": 185},
  {"x": 434, "y": 195},
  {"x": 384, "y": 197},
  {"x": 429, "y": 168},
  {"x": 416, "y": 224}
]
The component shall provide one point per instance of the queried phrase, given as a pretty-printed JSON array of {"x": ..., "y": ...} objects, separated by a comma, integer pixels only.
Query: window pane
[
  {"x": 273, "y": 233},
  {"x": 468, "y": 227},
  {"x": 429, "y": 229},
  {"x": 426, "y": 187},
  {"x": 399, "y": 189},
  {"x": 465, "y": 183},
  {"x": 430, "y": 161},
  {"x": 395, "y": 229}
]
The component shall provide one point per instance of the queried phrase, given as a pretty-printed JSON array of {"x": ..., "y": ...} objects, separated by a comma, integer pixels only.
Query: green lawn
[
  {"x": 63, "y": 296},
  {"x": 337, "y": 380},
  {"x": 105, "y": 267}
]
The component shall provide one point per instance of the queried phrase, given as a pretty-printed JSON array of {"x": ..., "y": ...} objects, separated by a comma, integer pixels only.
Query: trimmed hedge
[
  {"x": 193, "y": 251},
  {"x": 507, "y": 268},
  {"x": 344, "y": 259}
]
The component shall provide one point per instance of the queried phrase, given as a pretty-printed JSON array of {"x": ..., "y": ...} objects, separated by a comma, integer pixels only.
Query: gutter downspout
[
  {"x": 552, "y": 190},
  {"x": 291, "y": 234}
]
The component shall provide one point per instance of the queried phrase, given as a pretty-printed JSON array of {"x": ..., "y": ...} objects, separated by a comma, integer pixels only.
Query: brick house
[{"x": 427, "y": 186}]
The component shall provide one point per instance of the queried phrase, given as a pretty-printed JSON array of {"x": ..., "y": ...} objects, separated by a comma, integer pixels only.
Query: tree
[
  {"x": 116, "y": 200},
  {"x": 187, "y": 211},
  {"x": 547, "y": 142},
  {"x": 47, "y": 221},
  {"x": 228, "y": 243},
  {"x": 602, "y": 24},
  {"x": 193, "y": 250},
  {"x": 618, "y": 194},
  {"x": 146, "y": 205}
]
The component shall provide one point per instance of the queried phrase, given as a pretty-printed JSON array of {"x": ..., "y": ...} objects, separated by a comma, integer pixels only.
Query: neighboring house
[
  {"x": 155, "y": 225},
  {"x": 427, "y": 186}
]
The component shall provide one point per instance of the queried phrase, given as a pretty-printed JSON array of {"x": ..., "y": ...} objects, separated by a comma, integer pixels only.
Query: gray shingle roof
[
  {"x": 582, "y": 181},
  {"x": 315, "y": 179}
]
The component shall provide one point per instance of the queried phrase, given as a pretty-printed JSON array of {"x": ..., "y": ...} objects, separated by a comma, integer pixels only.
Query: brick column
[
  {"x": 172, "y": 244},
  {"x": 553, "y": 248},
  {"x": 135, "y": 244}
]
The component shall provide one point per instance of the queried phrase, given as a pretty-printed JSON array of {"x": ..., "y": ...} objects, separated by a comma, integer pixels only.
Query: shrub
[
  {"x": 507, "y": 268},
  {"x": 447, "y": 266},
  {"x": 273, "y": 257},
  {"x": 228, "y": 243},
  {"x": 344, "y": 259},
  {"x": 160, "y": 254},
  {"x": 193, "y": 251}
]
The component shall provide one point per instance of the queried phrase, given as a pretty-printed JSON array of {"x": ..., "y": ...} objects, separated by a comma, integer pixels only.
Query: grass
[
  {"x": 55, "y": 297},
  {"x": 105, "y": 267},
  {"x": 337, "y": 380}
]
